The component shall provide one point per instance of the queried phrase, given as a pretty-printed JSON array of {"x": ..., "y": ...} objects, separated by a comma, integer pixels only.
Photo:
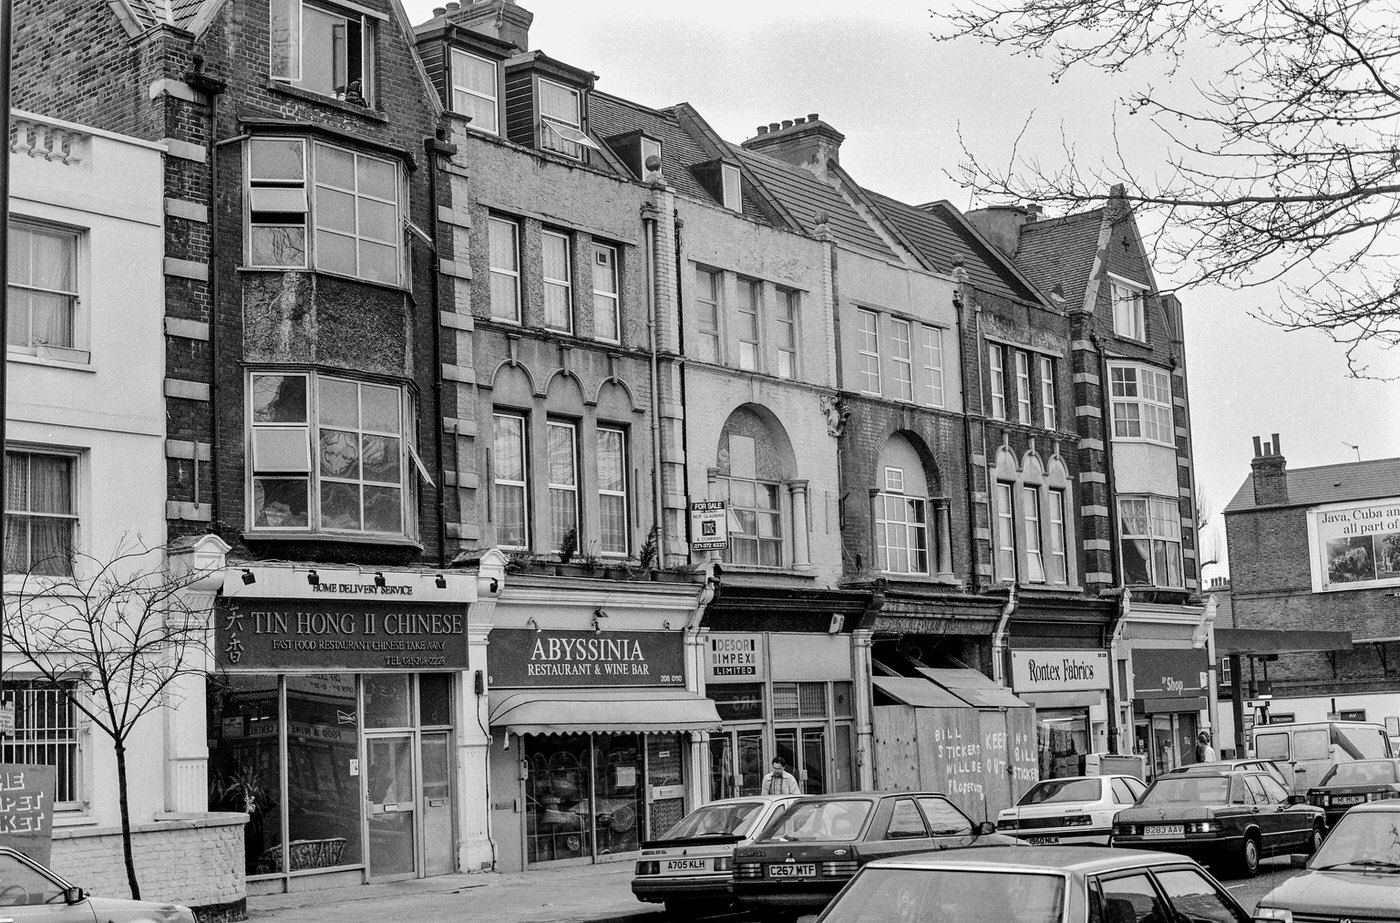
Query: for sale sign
[{"x": 709, "y": 527}]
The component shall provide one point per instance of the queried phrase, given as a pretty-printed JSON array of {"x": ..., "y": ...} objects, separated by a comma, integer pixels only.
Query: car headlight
[
  {"x": 1007, "y": 824},
  {"x": 1276, "y": 914}
]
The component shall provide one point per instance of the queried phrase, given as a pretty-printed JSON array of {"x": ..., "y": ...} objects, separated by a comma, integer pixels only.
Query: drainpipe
[
  {"x": 999, "y": 645},
  {"x": 649, "y": 213}
]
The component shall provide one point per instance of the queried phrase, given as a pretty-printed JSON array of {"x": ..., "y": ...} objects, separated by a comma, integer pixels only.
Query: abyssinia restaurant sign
[{"x": 551, "y": 657}]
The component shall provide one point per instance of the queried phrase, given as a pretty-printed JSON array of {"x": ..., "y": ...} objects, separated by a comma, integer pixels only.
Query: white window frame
[
  {"x": 714, "y": 299},
  {"x": 563, "y": 284},
  {"x": 561, "y": 489},
  {"x": 36, "y": 743},
  {"x": 1163, "y": 518},
  {"x": 522, "y": 484},
  {"x": 285, "y": 440},
  {"x": 1030, "y": 513},
  {"x": 563, "y": 136},
  {"x": 1049, "y": 408},
  {"x": 649, "y": 147},
  {"x": 615, "y": 495},
  {"x": 738, "y": 537},
  {"x": 1058, "y": 570},
  {"x": 496, "y": 224},
  {"x": 1004, "y": 534},
  {"x": 19, "y": 292},
  {"x": 868, "y": 348},
  {"x": 731, "y": 187},
  {"x": 789, "y": 308},
  {"x": 1129, "y": 308},
  {"x": 1023, "y": 387},
  {"x": 904, "y": 534},
  {"x": 460, "y": 59},
  {"x": 72, "y": 516},
  {"x": 932, "y": 349},
  {"x": 293, "y": 69},
  {"x": 1141, "y": 401},
  {"x": 607, "y": 302},
  {"x": 902, "y": 356},
  {"x": 996, "y": 367},
  {"x": 750, "y": 321}
]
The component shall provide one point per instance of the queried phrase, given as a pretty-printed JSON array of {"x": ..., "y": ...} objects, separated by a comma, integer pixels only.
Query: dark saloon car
[
  {"x": 809, "y": 851},
  {"x": 1354, "y": 876},
  {"x": 1230, "y": 818},
  {"x": 1280, "y": 773},
  {"x": 1035, "y": 884},
  {"x": 1348, "y": 784}
]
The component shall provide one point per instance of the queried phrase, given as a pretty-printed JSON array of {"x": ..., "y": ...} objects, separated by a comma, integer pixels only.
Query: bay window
[
  {"x": 1141, "y": 397},
  {"x": 1150, "y": 541},
  {"x": 330, "y": 455},
  {"x": 322, "y": 48},
  {"x": 40, "y": 513}
]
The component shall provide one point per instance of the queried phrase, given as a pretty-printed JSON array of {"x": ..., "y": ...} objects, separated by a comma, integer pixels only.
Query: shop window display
[
  {"x": 323, "y": 798},
  {"x": 1062, "y": 738},
  {"x": 245, "y": 768}
]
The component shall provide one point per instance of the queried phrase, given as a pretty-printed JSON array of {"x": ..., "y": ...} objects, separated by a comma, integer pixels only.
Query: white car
[
  {"x": 1078, "y": 809},
  {"x": 689, "y": 868},
  {"x": 31, "y": 893}
]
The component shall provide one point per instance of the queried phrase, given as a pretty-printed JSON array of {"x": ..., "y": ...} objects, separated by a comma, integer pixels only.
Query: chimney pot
[
  {"x": 787, "y": 123},
  {"x": 439, "y": 11},
  {"x": 1277, "y": 449},
  {"x": 811, "y": 117},
  {"x": 773, "y": 126},
  {"x": 762, "y": 130},
  {"x": 798, "y": 121},
  {"x": 1269, "y": 472},
  {"x": 453, "y": 6}
]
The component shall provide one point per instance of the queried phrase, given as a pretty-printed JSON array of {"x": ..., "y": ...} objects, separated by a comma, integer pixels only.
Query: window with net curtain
[
  {"x": 1150, "y": 530},
  {"x": 612, "y": 490},
  {"x": 474, "y": 90},
  {"x": 509, "y": 481},
  {"x": 563, "y": 481},
  {"x": 42, "y": 286},
  {"x": 41, "y": 520},
  {"x": 751, "y": 482}
]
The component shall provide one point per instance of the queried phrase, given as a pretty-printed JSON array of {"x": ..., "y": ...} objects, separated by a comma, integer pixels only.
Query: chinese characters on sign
[
  {"x": 522, "y": 657},
  {"x": 26, "y": 809}
]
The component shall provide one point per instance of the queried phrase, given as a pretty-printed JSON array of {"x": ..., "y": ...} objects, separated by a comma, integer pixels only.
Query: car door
[
  {"x": 1266, "y": 814},
  {"x": 1196, "y": 898},
  {"x": 1295, "y": 820},
  {"x": 1238, "y": 813},
  {"x": 29, "y": 895},
  {"x": 949, "y": 827},
  {"x": 1130, "y": 898},
  {"x": 904, "y": 832}
]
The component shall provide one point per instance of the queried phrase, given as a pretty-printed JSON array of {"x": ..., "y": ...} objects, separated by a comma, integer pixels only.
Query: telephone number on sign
[{"x": 672, "y": 678}]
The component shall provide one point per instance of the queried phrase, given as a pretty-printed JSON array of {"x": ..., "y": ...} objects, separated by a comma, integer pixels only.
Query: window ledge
[
  {"x": 75, "y": 360},
  {"x": 798, "y": 571},
  {"x": 251, "y": 535},
  {"x": 281, "y": 270},
  {"x": 320, "y": 99},
  {"x": 51, "y": 587},
  {"x": 1066, "y": 589},
  {"x": 63, "y": 818}
]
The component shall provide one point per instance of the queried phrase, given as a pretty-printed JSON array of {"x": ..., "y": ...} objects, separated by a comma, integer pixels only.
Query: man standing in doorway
[
  {"x": 780, "y": 781},
  {"x": 1205, "y": 753}
]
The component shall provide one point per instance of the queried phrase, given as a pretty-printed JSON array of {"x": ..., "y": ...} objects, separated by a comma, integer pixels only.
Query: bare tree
[
  {"x": 117, "y": 634},
  {"x": 1282, "y": 167}
]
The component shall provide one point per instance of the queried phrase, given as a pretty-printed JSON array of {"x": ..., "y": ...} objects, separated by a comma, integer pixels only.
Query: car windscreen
[
  {"x": 1361, "y": 772},
  {"x": 819, "y": 821},
  {"x": 717, "y": 820},
  {"x": 879, "y": 895},
  {"x": 1187, "y": 789},
  {"x": 1361, "y": 839},
  {"x": 1062, "y": 790}
]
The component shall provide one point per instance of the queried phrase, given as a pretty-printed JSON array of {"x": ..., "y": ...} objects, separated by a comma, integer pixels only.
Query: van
[{"x": 1313, "y": 747}]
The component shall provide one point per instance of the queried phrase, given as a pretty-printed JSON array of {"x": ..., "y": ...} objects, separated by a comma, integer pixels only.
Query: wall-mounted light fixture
[
  {"x": 249, "y": 578},
  {"x": 379, "y": 580},
  {"x": 531, "y": 623},
  {"x": 441, "y": 582},
  {"x": 313, "y": 578},
  {"x": 598, "y": 615}
]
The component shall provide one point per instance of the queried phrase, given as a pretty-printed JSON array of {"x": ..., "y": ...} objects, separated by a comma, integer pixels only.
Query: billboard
[{"x": 1355, "y": 546}]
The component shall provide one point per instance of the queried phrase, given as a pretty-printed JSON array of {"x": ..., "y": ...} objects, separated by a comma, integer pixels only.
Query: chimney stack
[
  {"x": 1269, "y": 472},
  {"x": 805, "y": 141},
  {"x": 1001, "y": 224},
  {"x": 502, "y": 19}
]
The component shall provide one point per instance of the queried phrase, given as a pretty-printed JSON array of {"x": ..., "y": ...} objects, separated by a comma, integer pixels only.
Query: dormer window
[
  {"x": 474, "y": 90},
  {"x": 733, "y": 197},
  {"x": 650, "y": 148},
  {"x": 322, "y": 49},
  {"x": 561, "y": 120}
]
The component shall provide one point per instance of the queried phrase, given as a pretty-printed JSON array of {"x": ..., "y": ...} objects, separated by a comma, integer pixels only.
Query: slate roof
[
  {"x": 942, "y": 239},
  {"x": 151, "y": 13},
  {"x": 1061, "y": 251},
  {"x": 804, "y": 195},
  {"x": 1365, "y": 480}
]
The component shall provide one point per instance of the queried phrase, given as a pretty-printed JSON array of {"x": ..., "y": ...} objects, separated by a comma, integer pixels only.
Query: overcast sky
[{"x": 872, "y": 71}]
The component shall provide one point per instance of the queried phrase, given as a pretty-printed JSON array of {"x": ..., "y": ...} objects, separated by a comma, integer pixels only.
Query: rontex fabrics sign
[
  {"x": 1355, "y": 546},
  {"x": 524, "y": 657},
  {"x": 1059, "y": 670}
]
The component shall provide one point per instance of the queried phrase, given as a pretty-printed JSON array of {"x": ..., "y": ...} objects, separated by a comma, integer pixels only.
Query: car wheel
[
  {"x": 1315, "y": 839},
  {"x": 1247, "y": 859}
]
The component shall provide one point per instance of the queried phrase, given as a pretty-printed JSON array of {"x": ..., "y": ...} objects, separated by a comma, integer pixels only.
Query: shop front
[
  {"x": 333, "y": 719},
  {"x": 1069, "y": 689},
  {"x": 1171, "y": 686},
  {"x": 593, "y": 718}
]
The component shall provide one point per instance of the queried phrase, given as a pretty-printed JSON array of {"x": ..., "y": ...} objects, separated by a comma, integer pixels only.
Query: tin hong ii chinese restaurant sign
[{"x": 328, "y": 635}]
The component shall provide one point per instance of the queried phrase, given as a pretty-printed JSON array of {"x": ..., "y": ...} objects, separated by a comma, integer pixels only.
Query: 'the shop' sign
[
  {"x": 524, "y": 657},
  {"x": 1059, "y": 670}
]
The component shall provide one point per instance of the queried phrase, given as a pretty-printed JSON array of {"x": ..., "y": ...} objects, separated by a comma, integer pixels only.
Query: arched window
[
  {"x": 768, "y": 509},
  {"x": 902, "y": 535}
]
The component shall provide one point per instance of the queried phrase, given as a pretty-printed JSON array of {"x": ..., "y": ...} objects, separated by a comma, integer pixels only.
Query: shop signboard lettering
[
  {"x": 1170, "y": 672},
  {"x": 26, "y": 809},
  {"x": 522, "y": 657},
  {"x": 328, "y": 635},
  {"x": 734, "y": 658},
  {"x": 1059, "y": 670},
  {"x": 1355, "y": 546}
]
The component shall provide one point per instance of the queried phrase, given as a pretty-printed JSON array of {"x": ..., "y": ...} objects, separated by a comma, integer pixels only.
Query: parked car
[
  {"x": 1078, "y": 809},
  {"x": 1223, "y": 819},
  {"x": 1036, "y": 884},
  {"x": 690, "y": 866},
  {"x": 817, "y": 843},
  {"x": 1283, "y": 778},
  {"x": 1355, "y": 875},
  {"x": 1311, "y": 748},
  {"x": 1349, "y": 784},
  {"x": 31, "y": 893}
]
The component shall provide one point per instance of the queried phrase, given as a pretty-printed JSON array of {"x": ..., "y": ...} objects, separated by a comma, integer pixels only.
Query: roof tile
[{"x": 1365, "y": 480}]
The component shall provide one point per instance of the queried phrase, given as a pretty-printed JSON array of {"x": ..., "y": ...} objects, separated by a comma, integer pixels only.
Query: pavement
[{"x": 586, "y": 894}]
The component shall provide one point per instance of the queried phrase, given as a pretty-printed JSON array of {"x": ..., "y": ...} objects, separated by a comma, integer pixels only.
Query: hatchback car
[
  {"x": 1349, "y": 784},
  {"x": 1354, "y": 876},
  {"x": 689, "y": 867},
  {"x": 1035, "y": 884},
  {"x": 1078, "y": 809},
  {"x": 1225, "y": 819},
  {"x": 812, "y": 848},
  {"x": 31, "y": 893}
]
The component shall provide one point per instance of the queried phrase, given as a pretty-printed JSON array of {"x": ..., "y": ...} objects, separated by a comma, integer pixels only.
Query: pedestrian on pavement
[
  {"x": 1205, "y": 753},
  {"x": 780, "y": 781}
]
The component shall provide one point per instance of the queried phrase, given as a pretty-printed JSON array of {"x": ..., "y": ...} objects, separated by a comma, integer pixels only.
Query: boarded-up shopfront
[{"x": 956, "y": 732}]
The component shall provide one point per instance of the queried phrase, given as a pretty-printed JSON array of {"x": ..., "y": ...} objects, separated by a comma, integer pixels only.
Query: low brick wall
[{"x": 192, "y": 860}]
